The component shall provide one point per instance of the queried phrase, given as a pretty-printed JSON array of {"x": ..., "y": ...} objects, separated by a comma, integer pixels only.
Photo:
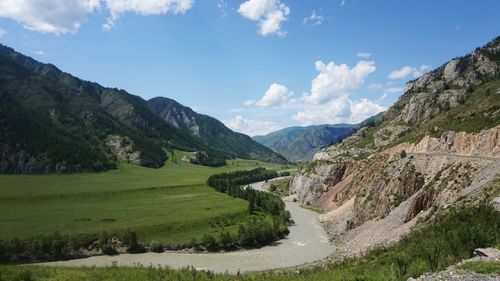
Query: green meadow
[{"x": 170, "y": 205}]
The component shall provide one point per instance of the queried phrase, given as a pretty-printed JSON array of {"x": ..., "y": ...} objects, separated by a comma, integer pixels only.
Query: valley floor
[
  {"x": 171, "y": 205},
  {"x": 306, "y": 243}
]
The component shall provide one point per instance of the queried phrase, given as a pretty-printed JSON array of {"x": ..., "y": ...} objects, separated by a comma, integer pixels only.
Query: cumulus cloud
[
  {"x": 314, "y": 18},
  {"x": 276, "y": 95},
  {"x": 328, "y": 101},
  {"x": 340, "y": 110},
  {"x": 268, "y": 13},
  {"x": 49, "y": 16},
  {"x": 406, "y": 71},
  {"x": 66, "y": 16},
  {"x": 145, "y": 7},
  {"x": 251, "y": 127},
  {"x": 337, "y": 80}
]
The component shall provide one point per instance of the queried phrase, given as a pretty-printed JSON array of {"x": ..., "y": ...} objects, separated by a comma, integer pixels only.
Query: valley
[
  {"x": 156, "y": 203},
  {"x": 326, "y": 146}
]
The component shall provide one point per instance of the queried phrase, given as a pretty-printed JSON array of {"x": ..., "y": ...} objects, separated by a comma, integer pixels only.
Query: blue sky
[{"x": 257, "y": 65}]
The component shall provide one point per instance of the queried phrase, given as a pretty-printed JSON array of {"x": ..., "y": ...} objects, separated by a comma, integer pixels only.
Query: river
[{"x": 307, "y": 242}]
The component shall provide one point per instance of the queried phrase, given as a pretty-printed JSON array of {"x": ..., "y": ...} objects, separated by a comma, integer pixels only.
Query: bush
[
  {"x": 156, "y": 247},
  {"x": 105, "y": 243},
  {"x": 402, "y": 154}
]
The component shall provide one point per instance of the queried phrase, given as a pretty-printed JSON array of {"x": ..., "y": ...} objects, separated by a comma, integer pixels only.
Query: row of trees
[
  {"x": 268, "y": 217},
  {"x": 56, "y": 246}
]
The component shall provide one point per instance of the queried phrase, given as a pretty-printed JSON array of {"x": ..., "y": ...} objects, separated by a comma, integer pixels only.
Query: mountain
[
  {"x": 299, "y": 144},
  {"x": 51, "y": 121},
  {"x": 436, "y": 150},
  {"x": 212, "y": 132}
]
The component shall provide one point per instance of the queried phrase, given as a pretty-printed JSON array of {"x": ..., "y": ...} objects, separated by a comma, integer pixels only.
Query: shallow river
[{"x": 306, "y": 243}]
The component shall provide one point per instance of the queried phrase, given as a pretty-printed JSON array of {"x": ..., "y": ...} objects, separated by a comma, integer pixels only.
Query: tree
[{"x": 402, "y": 154}]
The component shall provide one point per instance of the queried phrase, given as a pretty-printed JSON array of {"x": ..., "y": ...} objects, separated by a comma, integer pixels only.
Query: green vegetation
[
  {"x": 483, "y": 267},
  {"x": 280, "y": 186},
  {"x": 213, "y": 133},
  {"x": 432, "y": 248},
  {"x": 54, "y": 122},
  {"x": 156, "y": 204},
  {"x": 475, "y": 114},
  {"x": 271, "y": 223}
]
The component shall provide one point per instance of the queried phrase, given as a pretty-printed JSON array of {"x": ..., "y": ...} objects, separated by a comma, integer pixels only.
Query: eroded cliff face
[
  {"x": 482, "y": 144},
  {"x": 377, "y": 199}
]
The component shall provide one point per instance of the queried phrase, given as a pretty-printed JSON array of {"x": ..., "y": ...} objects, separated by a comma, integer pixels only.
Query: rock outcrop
[{"x": 386, "y": 179}]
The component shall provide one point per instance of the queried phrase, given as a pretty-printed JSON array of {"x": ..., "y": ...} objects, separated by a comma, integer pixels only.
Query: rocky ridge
[{"x": 437, "y": 147}]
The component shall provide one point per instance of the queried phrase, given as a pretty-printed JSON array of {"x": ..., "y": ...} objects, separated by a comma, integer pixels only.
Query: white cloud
[
  {"x": 268, "y": 13},
  {"x": 40, "y": 53},
  {"x": 364, "y": 55},
  {"x": 145, "y": 7},
  {"x": 222, "y": 5},
  {"x": 2, "y": 32},
  {"x": 50, "y": 16},
  {"x": 249, "y": 102},
  {"x": 328, "y": 101},
  {"x": 251, "y": 127},
  {"x": 405, "y": 71},
  {"x": 336, "y": 80},
  {"x": 66, "y": 16},
  {"x": 340, "y": 110},
  {"x": 276, "y": 95},
  {"x": 314, "y": 19},
  {"x": 390, "y": 91}
]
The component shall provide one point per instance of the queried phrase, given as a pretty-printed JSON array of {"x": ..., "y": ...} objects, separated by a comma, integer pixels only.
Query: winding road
[{"x": 307, "y": 243}]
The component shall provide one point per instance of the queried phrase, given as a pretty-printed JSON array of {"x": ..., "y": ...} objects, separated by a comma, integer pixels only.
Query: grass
[
  {"x": 482, "y": 267},
  {"x": 432, "y": 248},
  {"x": 170, "y": 205}
]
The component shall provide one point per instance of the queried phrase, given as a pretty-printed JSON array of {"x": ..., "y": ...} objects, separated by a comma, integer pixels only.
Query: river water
[{"x": 306, "y": 243}]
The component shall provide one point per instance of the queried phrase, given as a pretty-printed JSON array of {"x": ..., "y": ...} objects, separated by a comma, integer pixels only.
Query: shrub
[{"x": 156, "y": 247}]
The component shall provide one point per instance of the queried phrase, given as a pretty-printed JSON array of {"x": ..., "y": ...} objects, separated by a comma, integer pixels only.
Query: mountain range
[
  {"x": 52, "y": 121},
  {"x": 299, "y": 144}
]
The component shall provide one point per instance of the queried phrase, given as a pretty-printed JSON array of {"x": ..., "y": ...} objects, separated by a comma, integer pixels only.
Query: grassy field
[
  {"x": 432, "y": 248},
  {"x": 171, "y": 204}
]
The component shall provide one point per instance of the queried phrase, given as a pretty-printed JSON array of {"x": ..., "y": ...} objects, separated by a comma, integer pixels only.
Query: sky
[{"x": 256, "y": 65}]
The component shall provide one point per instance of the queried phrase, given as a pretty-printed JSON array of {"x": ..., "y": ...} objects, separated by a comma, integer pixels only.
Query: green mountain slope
[
  {"x": 52, "y": 121},
  {"x": 212, "y": 132}
]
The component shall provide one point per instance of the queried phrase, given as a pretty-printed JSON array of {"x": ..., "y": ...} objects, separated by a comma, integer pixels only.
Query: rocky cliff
[{"x": 437, "y": 147}]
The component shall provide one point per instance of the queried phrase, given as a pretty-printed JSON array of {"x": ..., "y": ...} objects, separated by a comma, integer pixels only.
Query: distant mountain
[
  {"x": 51, "y": 121},
  {"x": 212, "y": 132},
  {"x": 299, "y": 144}
]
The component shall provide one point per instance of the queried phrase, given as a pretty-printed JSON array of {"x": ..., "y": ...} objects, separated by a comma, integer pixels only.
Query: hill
[
  {"x": 436, "y": 148},
  {"x": 212, "y": 132},
  {"x": 52, "y": 121}
]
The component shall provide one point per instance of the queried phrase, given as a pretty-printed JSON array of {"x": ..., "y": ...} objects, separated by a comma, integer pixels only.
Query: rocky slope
[
  {"x": 212, "y": 132},
  {"x": 437, "y": 146}
]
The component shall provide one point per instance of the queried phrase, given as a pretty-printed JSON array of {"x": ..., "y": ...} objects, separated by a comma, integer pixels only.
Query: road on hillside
[{"x": 307, "y": 243}]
